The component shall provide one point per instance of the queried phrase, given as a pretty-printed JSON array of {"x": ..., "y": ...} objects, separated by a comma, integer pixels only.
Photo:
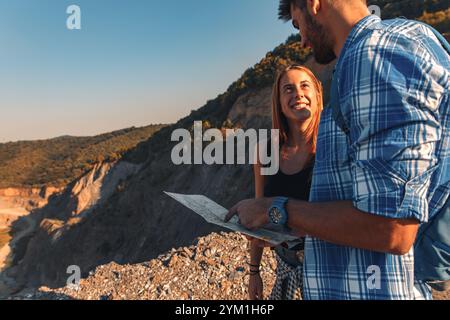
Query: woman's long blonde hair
[{"x": 279, "y": 121}]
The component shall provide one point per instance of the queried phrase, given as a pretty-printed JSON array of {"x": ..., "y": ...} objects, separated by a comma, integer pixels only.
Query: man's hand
[{"x": 252, "y": 213}]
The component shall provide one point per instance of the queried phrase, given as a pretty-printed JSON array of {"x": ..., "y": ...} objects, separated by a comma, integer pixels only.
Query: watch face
[{"x": 276, "y": 215}]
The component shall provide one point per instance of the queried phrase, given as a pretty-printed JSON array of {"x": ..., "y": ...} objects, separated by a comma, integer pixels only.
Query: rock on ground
[{"x": 214, "y": 268}]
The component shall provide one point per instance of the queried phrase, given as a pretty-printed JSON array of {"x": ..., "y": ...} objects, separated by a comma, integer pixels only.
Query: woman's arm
[
  {"x": 256, "y": 251},
  {"x": 255, "y": 283}
]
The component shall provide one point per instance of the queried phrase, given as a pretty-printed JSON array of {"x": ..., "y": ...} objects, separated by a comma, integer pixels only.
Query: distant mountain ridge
[{"x": 58, "y": 161}]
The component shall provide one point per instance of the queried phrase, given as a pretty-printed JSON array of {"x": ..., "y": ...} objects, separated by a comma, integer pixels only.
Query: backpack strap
[{"x": 432, "y": 249}]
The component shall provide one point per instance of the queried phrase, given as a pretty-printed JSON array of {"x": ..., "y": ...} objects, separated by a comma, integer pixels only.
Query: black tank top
[{"x": 296, "y": 186}]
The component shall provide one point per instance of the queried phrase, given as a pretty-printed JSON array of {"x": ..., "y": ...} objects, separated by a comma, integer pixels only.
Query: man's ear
[{"x": 314, "y": 6}]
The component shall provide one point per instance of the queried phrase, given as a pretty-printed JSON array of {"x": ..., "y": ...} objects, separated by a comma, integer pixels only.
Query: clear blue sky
[{"x": 133, "y": 63}]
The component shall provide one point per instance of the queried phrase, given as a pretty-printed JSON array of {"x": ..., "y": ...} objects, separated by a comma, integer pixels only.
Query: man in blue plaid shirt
[{"x": 375, "y": 184}]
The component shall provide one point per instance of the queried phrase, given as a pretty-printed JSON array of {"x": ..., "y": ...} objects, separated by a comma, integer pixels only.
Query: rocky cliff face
[
  {"x": 252, "y": 110},
  {"x": 27, "y": 198},
  {"x": 18, "y": 202},
  {"x": 15, "y": 205},
  {"x": 98, "y": 185},
  {"x": 62, "y": 211}
]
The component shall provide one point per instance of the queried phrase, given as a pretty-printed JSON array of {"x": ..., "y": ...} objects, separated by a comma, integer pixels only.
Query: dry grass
[{"x": 436, "y": 17}]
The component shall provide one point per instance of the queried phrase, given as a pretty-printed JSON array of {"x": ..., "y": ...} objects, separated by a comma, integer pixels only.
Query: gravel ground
[{"x": 214, "y": 268}]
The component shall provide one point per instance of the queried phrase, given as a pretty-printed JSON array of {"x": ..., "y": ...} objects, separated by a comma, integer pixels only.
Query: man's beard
[{"x": 320, "y": 41}]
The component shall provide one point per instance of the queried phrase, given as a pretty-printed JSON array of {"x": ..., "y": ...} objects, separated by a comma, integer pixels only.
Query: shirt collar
[{"x": 363, "y": 24}]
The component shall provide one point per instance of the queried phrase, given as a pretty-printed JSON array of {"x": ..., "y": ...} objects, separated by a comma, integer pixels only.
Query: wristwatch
[{"x": 277, "y": 212}]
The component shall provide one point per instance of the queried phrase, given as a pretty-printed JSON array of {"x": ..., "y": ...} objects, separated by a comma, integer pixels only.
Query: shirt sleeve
[{"x": 390, "y": 98}]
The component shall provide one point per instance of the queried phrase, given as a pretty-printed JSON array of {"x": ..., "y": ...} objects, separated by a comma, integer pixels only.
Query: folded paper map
[{"x": 215, "y": 214}]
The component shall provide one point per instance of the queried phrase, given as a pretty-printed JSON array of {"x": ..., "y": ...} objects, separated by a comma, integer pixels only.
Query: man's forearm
[{"x": 341, "y": 223}]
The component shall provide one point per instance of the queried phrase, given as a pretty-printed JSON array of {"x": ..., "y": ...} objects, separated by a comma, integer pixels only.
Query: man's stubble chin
[{"x": 320, "y": 41}]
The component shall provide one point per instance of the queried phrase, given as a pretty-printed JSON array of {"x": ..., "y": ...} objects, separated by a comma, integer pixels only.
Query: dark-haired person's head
[{"x": 318, "y": 21}]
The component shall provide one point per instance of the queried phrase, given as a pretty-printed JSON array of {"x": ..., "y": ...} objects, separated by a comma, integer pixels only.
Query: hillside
[
  {"x": 58, "y": 161},
  {"x": 434, "y": 12}
]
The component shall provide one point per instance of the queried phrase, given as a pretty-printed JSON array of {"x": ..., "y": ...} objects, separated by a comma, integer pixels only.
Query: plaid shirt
[{"x": 393, "y": 84}]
